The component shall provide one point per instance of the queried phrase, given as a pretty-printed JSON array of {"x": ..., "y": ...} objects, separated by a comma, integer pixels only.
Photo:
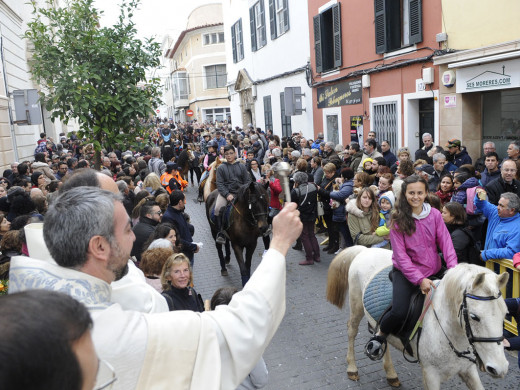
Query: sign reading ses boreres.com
[{"x": 346, "y": 93}]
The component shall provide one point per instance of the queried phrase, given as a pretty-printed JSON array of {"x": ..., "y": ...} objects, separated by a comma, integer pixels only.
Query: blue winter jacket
[
  {"x": 346, "y": 189},
  {"x": 459, "y": 195},
  {"x": 503, "y": 234}
]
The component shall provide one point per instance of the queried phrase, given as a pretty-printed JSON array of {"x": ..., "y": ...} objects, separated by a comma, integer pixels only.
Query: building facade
[
  {"x": 197, "y": 62},
  {"x": 480, "y": 78},
  {"x": 17, "y": 142},
  {"x": 267, "y": 52},
  {"x": 372, "y": 69}
]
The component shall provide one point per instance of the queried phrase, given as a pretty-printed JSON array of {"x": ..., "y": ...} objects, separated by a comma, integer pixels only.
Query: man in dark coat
[
  {"x": 460, "y": 155},
  {"x": 149, "y": 217},
  {"x": 505, "y": 183},
  {"x": 174, "y": 215},
  {"x": 387, "y": 153}
]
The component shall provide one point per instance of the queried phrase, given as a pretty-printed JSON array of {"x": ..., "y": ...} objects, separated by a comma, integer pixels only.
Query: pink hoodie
[{"x": 416, "y": 255}]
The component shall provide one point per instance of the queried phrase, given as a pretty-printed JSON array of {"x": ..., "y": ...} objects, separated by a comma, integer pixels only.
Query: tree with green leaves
[{"x": 96, "y": 75}]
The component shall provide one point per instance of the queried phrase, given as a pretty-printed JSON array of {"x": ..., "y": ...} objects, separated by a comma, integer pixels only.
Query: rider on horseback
[
  {"x": 417, "y": 230},
  {"x": 231, "y": 175},
  {"x": 208, "y": 160}
]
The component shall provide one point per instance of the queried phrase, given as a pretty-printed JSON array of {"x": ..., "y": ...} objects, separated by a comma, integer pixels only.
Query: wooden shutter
[
  {"x": 336, "y": 28},
  {"x": 415, "y": 7},
  {"x": 241, "y": 48},
  {"x": 380, "y": 24},
  {"x": 272, "y": 19},
  {"x": 317, "y": 43},
  {"x": 234, "y": 43},
  {"x": 252, "y": 23},
  {"x": 262, "y": 16},
  {"x": 285, "y": 15}
]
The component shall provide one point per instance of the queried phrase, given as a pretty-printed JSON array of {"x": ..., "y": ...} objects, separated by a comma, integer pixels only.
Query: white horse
[{"x": 461, "y": 330}]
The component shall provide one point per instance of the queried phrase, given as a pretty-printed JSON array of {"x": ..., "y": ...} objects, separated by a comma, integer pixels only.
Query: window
[
  {"x": 278, "y": 17},
  {"x": 385, "y": 122},
  {"x": 216, "y": 114},
  {"x": 286, "y": 120},
  {"x": 327, "y": 39},
  {"x": 180, "y": 85},
  {"x": 213, "y": 38},
  {"x": 257, "y": 21},
  {"x": 215, "y": 76},
  {"x": 237, "y": 42},
  {"x": 398, "y": 24},
  {"x": 268, "y": 113}
]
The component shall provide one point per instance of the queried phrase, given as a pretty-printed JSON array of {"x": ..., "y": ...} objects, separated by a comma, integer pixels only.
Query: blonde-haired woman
[
  {"x": 176, "y": 279},
  {"x": 152, "y": 184}
]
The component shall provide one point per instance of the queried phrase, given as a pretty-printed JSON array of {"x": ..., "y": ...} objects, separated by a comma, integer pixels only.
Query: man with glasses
[
  {"x": 505, "y": 183},
  {"x": 63, "y": 169},
  {"x": 149, "y": 217},
  {"x": 231, "y": 175}
]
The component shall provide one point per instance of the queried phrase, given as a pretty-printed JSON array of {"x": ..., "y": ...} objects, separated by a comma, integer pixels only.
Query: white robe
[{"x": 172, "y": 350}]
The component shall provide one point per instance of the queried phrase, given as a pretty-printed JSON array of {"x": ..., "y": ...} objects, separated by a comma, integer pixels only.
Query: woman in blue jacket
[{"x": 339, "y": 215}]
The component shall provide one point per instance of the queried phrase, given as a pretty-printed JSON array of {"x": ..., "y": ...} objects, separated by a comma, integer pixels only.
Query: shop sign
[
  {"x": 341, "y": 94},
  {"x": 450, "y": 101},
  {"x": 356, "y": 128},
  {"x": 489, "y": 77}
]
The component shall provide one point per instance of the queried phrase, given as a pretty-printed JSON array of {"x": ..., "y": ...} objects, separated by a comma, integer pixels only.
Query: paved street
[{"x": 309, "y": 349}]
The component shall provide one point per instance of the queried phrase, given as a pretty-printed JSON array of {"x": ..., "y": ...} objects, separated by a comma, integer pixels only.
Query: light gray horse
[{"x": 467, "y": 310}]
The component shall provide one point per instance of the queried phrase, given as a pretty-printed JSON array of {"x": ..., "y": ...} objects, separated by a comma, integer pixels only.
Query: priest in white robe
[{"x": 88, "y": 234}]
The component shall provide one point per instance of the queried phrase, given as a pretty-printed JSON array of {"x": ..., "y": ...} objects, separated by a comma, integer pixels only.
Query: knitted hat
[
  {"x": 389, "y": 196},
  {"x": 365, "y": 161}
]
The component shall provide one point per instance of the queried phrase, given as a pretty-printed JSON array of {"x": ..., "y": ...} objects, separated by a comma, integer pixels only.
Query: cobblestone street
[{"x": 309, "y": 349}]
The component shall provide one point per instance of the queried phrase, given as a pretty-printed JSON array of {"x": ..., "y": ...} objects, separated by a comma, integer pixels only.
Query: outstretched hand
[{"x": 286, "y": 228}]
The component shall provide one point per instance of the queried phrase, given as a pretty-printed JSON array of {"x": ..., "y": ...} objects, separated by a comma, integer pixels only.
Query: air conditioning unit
[
  {"x": 365, "y": 81},
  {"x": 427, "y": 75}
]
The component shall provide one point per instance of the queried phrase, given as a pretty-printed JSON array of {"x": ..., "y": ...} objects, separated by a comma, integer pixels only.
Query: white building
[{"x": 267, "y": 50}]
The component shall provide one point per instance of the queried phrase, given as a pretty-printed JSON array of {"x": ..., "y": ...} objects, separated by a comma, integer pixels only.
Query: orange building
[{"x": 372, "y": 69}]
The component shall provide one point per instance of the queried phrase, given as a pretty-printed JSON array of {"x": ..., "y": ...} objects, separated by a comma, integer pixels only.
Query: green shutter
[
  {"x": 241, "y": 48},
  {"x": 285, "y": 15},
  {"x": 317, "y": 43},
  {"x": 380, "y": 24},
  {"x": 415, "y": 7},
  {"x": 234, "y": 43},
  {"x": 262, "y": 15},
  {"x": 272, "y": 19},
  {"x": 336, "y": 28},
  {"x": 252, "y": 23}
]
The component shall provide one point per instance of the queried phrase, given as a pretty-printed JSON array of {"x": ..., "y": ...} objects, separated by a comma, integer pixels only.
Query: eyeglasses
[
  {"x": 106, "y": 376},
  {"x": 158, "y": 212},
  {"x": 509, "y": 170}
]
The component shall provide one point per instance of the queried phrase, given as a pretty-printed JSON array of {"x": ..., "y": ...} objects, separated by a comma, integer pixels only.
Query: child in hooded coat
[{"x": 386, "y": 206}]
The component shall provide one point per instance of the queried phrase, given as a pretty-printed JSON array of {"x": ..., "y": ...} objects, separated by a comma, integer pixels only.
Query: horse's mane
[
  {"x": 459, "y": 279},
  {"x": 183, "y": 158},
  {"x": 242, "y": 191}
]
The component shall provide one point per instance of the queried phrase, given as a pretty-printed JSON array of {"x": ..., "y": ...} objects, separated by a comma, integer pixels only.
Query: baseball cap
[
  {"x": 453, "y": 143},
  {"x": 427, "y": 168},
  {"x": 172, "y": 165}
]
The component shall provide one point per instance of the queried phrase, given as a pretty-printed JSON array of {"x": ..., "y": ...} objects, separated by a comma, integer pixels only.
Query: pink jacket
[
  {"x": 416, "y": 255},
  {"x": 516, "y": 259}
]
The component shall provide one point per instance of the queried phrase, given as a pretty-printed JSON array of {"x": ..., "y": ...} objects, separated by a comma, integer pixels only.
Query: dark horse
[
  {"x": 183, "y": 161},
  {"x": 248, "y": 222}
]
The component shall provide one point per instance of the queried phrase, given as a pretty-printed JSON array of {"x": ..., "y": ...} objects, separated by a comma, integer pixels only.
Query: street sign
[
  {"x": 189, "y": 112},
  {"x": 158, "y": 111}
]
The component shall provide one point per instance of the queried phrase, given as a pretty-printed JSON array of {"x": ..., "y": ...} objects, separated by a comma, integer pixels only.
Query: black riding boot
[{"x": 220, "y": 238}]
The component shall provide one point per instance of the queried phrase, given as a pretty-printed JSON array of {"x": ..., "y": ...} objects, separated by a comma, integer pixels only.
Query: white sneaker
[{"x": 339, "y": 250}]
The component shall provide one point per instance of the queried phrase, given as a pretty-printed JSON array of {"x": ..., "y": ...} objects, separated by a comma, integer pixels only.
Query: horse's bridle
[
  {"x": 469, "y": 332},
  {"x": 253, "y": 221}
]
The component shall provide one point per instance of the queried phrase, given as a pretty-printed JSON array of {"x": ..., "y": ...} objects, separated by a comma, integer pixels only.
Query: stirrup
[
  {"x": 376, "y": 348},
  {"x": 220, "y": 238}
]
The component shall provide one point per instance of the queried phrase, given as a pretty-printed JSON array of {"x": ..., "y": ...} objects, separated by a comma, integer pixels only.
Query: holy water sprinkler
[{"x": 281, "y": 171}]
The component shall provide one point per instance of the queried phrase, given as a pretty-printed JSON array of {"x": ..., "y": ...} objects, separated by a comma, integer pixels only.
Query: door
[
  {"x": 426, "y": 119},
  {"x": 332, "y": 129}
]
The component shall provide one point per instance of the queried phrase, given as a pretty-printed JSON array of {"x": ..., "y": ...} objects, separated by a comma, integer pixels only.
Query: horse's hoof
[
  {"x": 353, "y": 376},
  {"x": 223, "y": 272},
  {"x": 394, "y": 382},
  {"x": 228, "y": 260}
]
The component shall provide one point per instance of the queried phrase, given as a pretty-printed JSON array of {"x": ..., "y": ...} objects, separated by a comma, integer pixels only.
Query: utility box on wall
[
  {"x": 27, "y": 107},
  {"x": 293, "y": 101}
]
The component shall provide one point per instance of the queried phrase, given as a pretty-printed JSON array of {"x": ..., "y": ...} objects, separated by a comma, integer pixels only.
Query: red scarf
[{"x": 445, "y": 197}]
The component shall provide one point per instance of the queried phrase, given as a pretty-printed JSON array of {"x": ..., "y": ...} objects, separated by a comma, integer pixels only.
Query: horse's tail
[
  {"x": 183, "y": 159},
  {"x": 337, "y": 278}
]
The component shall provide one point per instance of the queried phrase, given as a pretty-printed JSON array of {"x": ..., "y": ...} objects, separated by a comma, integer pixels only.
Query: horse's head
[
  {"x": 481, "y": 310},
  {"x": 256, "y": 201}
]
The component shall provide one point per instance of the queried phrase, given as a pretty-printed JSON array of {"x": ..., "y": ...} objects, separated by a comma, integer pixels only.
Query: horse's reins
[
  {"x": 254, "y": 216},
  {"x": 469, "y": 332}
]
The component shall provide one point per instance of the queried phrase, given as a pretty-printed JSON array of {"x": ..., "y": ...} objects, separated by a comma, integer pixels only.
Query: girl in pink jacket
[{"x": 417, "y": 231}]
